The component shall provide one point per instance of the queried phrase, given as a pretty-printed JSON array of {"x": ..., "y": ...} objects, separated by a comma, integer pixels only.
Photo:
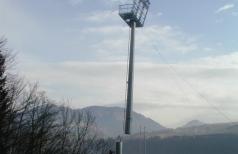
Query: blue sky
[{"x": 186, "y": 55}]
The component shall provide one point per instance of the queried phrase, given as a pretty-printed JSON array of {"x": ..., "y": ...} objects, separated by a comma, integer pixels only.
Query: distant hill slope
[
  {"x": 205, "y": 129},
  {"x": 110, "y": 121},
  {"x": 193, "y": 123},
  {"x": 208, "y": 129}
]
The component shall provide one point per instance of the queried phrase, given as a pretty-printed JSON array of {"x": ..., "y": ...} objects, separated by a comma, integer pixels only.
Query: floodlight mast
[{"x": 134, "y": 15}]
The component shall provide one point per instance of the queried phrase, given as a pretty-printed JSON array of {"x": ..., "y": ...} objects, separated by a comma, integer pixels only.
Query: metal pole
[
  {"x": 130, "y": 81},
  {"x": 118, "y": 147}
]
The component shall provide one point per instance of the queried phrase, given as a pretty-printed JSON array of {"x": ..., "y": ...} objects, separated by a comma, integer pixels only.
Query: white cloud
[
  {"x": 111, "y": 42},
  {"x": 222, "y": 61},
  {"x": 165, "y": 93},
  {"x": 169, "y": 39},
  {"x": 225, "y": 8},
  {"x": 102, "y": 16}
]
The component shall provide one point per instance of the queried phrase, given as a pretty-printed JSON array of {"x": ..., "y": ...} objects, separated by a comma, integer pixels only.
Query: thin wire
[
  {"x": 192, "y": 87},
  {"x": 181, "y": 90}
]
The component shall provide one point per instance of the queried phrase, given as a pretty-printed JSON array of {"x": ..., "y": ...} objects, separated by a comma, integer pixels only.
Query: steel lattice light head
[{"x": 135, "y": 11}]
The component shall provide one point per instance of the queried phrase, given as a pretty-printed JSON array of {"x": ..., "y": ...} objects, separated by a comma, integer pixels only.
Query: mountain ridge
[
  {"x": 193, "y": 123},
  {"x": 110, "y": 121}
]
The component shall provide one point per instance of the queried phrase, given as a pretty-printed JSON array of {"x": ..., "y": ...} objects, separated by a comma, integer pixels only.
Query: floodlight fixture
[{"x": 135, "y": 11}]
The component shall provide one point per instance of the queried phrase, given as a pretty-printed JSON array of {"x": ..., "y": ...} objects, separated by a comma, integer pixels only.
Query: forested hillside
[{"x": 207, "y": 144}]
